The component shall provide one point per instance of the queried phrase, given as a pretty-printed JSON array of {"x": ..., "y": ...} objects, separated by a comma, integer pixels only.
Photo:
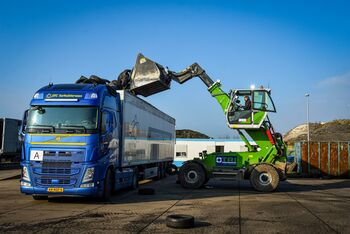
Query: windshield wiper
[
  {"x": 73, "y": 127},
  {"x": 43, "y": 128}
]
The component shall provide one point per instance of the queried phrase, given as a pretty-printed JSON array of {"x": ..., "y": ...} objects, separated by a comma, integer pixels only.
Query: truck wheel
[
  {"x": 159, "y": 173},
  {"x": 108, "y": 186},
  {"x": 192, "y": 175},
  {"x": 180, "y": 221},
  {"x": 40, "y": 197},
  {"x": 264, "y": 178}
]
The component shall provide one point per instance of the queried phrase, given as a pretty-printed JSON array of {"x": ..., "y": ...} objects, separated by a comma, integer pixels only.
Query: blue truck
[{"x": 85, "y": 140}]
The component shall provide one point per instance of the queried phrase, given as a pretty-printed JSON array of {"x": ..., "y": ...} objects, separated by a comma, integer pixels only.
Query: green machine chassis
[{"x": 264, "y": 162}]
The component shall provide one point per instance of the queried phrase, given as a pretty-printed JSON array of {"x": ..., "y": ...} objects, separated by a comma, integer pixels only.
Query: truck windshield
[{"x": 59, "y": 118}]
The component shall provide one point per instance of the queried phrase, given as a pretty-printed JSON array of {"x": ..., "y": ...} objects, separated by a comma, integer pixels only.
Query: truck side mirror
[{"x": 22, "y": 128}]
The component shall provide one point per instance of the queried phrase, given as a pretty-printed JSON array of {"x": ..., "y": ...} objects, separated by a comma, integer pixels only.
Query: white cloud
[{"x": 342, "y": 80}]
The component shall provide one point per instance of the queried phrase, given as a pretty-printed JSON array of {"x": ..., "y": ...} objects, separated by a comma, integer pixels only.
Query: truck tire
[
  {"x": 159, "y": 172},
  {"x": 180, "y": 221},
  {"x": 40, "y": 197},
  {"x": 264, "y": 178},
  {"x": 192, "y": 175},
  {"x": 108, "y": 186}
]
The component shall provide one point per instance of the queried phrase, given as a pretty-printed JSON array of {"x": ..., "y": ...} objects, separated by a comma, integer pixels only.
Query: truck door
[{"x": 107, "y": 127}]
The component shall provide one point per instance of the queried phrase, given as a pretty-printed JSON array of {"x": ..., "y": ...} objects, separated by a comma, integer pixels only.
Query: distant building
[{"x": 189, "y": 148}]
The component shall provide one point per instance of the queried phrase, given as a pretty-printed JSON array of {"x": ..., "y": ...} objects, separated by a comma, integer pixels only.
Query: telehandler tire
[
  {"x": 192, "y": 175},
  {"x": 264, "y": 178}
]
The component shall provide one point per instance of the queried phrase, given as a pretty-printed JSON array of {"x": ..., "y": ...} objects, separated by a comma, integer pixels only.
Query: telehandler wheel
[
  {"x": 192, "y": 175},
  {"x": 264, "y": 178}
]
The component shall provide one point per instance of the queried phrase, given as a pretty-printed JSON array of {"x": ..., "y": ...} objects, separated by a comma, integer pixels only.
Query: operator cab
[{"x": 249, "y": 108}]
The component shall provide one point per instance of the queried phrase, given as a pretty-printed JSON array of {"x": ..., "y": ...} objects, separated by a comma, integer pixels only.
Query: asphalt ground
[{"x": 298, "y": 206}]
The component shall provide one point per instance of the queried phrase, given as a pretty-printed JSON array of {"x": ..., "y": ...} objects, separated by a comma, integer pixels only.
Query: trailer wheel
[
  {"x": 180, "y": 221},
  {"x": 108, "y": 186},
  {"x": 192, "y": 175},
  {"x": 135, "y": 179},
  {"x": 159, "y": 172},
  {"x": 264, "y": 178},
  {"x": 40, "y": 197}
]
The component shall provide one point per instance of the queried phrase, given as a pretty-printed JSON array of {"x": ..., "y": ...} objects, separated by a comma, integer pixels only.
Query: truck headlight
[
  {"x": 25, "y": 173},
  {"x": 89, "y": 174},
  {"x": 25, "y": 184}
]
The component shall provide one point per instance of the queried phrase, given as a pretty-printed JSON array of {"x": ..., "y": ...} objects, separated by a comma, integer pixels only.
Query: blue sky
[{"x": 293, "y": 47}]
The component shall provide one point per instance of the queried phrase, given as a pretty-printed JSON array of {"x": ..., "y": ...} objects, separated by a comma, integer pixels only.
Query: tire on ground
[
  {"x": 264, "y": 178},
  {"x": 40, "y": 197},
  {"x": 192, "y": 175},
  {"x": 180, "y": 221}
]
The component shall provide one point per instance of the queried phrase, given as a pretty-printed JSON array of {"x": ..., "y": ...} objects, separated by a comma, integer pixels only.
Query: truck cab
[{"x": 71, "y": 139}]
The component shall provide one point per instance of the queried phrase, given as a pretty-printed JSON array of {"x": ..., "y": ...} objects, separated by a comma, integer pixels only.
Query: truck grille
[
  {"x": 56, "y": 168},
  {"x": 62, "y": 165},
  {"x": 54, "y": 173},
  {"x": 55, "y": 181},
  {"x": 52, "y": 153}
]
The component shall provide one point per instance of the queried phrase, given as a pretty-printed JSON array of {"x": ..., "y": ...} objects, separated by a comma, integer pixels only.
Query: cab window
[{"x": 262, "y": 101}]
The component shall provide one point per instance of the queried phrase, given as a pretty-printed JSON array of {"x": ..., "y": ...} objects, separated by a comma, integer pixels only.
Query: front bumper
[{"x": 94, "y": 191}]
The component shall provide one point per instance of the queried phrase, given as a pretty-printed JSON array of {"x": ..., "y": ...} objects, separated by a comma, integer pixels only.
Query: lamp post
[{"x": 307, "y": 95}]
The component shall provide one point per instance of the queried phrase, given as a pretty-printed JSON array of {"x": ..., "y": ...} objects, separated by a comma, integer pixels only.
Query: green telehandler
[{"x": 263, "y": 162}]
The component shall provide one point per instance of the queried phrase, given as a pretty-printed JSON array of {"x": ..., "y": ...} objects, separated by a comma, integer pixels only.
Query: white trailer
[{"x": 148, "y": 135}]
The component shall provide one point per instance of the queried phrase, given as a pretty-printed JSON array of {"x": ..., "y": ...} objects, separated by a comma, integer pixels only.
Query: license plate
[{"x": 55, "y": 190}]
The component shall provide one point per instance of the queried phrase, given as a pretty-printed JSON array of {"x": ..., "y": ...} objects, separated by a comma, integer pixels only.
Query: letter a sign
[{"x": 36, "y": 155}]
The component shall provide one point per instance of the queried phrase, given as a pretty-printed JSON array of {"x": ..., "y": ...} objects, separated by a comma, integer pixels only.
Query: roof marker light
[
  {"x": 252, "y": 86},
  {"x": 36, "y": 96},
  {"x": 93, "y": 96}
]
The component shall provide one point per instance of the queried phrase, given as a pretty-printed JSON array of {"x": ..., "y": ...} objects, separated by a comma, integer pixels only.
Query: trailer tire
[
  {"x": 192, "y": 175},
  {"x": 180, "y": 221},
  {"x": 146, "y": 191},
  {"x": 264, "y": 178},
  {"x": 108, "y": 186},
  {"x": 159, "y": 172},
  {"x": 135, "y": 179},
  {"x": 40, "y": 197}
]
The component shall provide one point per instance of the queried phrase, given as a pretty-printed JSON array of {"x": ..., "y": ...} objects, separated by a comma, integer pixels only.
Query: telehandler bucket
[{"x": 148, "y": 77}]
